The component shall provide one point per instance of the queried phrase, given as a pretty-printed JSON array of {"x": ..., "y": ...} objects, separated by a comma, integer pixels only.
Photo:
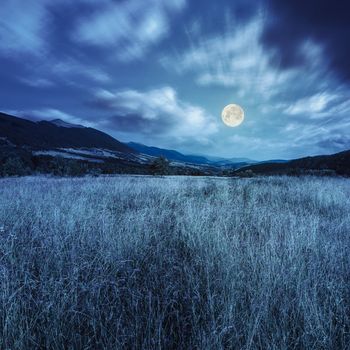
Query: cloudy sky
[{"x": 159, "y": 72}]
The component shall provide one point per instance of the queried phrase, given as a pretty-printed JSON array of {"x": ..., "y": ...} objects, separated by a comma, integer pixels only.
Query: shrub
[
  {"x": 160, "y": 166},
  {"x": 14, "y": 166}
]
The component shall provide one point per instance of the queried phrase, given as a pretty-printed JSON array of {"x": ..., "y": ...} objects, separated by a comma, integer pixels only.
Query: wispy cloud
[
  {"x": 71, "y": 68},
  {"x": 27, "y": 30},
  {"x": 22, "y": 27},
  {"x": 311, "y": 105},
  {"x": 131, "y": 27},
  {"x": 234, "y": 58},
  {"x": 36, "y": 82},
  {"x": 322, "y": 132},
  {"x": 26, "y": 26},
  {"x": 157, "y": 112},
  {"x": 68, "y": 71},
  {"x": 290, "y": 22},
  {"x": 326, "y": 137}
]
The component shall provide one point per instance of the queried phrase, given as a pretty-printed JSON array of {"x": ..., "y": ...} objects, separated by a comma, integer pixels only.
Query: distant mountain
[
  {"x": 233, "y": 161},
  {"x": 338, "y": 163},
  {"x": 273, "y": 161},
  {"x": 169, "y": 154},
  {"x": 221, "y": 160},
  {"x": 190, "y": 159},
  {"x": 55, "y": 134}
]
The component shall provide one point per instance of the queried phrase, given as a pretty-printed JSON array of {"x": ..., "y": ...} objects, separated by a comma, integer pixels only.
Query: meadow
[{"x": 133, "y": 262}]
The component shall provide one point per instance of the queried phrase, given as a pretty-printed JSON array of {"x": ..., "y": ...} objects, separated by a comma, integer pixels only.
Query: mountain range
[
  {"x": 55, "y": 134},
  {"x": 46, "y": 146},
  {"x": 334, "y": 164},
  {"x": 189, "y": 158}
]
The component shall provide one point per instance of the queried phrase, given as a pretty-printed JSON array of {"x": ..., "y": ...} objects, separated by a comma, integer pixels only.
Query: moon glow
[{"x": 232, "y": 115}]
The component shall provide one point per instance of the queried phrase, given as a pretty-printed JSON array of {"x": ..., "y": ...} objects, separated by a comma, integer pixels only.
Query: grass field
[{"x": 174, "y": 263}]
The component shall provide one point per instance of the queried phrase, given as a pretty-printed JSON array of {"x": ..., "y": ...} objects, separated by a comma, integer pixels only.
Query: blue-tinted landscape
[{"x": 174, "y": 174}]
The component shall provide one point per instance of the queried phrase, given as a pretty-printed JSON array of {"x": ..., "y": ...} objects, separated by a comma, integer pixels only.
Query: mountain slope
[
  {"x": 48, "y": 135},
  {"x": 63, "y": 149},
  {"x": 169, "y": 154},
  {"x": 338, "y": 163}
]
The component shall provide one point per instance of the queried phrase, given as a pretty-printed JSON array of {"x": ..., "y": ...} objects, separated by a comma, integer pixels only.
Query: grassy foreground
[{"x": 174, "y": 263}]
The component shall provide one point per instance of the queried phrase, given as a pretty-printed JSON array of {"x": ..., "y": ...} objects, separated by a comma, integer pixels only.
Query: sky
[{"x": 159, "y": 72}]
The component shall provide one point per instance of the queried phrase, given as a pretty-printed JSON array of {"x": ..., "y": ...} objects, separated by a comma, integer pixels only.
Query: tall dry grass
[{"x": 174, "y": 263}]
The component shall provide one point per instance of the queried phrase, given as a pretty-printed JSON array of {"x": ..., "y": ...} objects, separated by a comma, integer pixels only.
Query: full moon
[{"x": 232, "y": 115}]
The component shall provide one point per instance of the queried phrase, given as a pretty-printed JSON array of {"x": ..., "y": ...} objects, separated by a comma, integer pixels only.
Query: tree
[
  {"x": 160, "y": 166},
  {"x": 14, "y": 166}
]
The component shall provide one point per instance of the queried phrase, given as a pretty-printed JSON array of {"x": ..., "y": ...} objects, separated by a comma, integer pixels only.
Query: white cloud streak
[
  {"x": 232, "y": 59},
  {"x": 130, "y": 27},
  {"x": 22, "y": 27},
  {"x": 311, "y": 105},
  {"x": 158, "y": 112}
]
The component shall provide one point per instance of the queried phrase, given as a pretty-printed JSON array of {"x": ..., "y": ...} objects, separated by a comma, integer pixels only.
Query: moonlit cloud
[
  {"x": 234, "y": 58},
  {"x": 25, "y": 26},
  {"x": 290, "y": 23},
  {"x": 322, "y": 137},
  {"x": 37, "y": 82},
  {"x": 156, "y": 112},
  {"x": 22, "y": 27},
  {"x": 284, "y": 62},
  {"x": 68, "y": 71},
  {"x": 130, "y": 27},
  {"x": 311, "y": 105},
  {"x": 72, "y": 68}
]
